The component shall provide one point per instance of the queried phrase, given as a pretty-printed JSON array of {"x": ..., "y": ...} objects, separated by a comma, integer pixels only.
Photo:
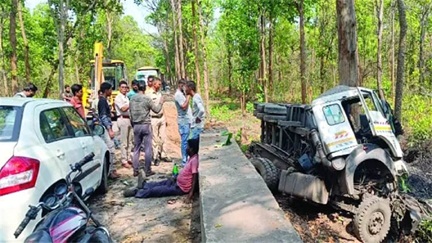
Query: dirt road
[{"x": 149, "y": 220}]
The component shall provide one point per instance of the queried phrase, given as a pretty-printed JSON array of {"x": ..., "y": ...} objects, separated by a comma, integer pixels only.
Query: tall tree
[
  {"x": 380, "y": 14},
  {"x": 347, "y": 42},
  {"x": 300, "y": 9},
  {"x": 423, "y": 27},
  {"x": 13, "y": 44},
  {"x": 3, "y": 16},
  {"x": 180, "y": 38},
  {"x": 204, "y": 56},
  {"x": 262, "y": 70},
  {"x": 195, "y": 46},
  {"x": 401, "y": 59},
  {"x": 176, "y": 39},
  {"x": 26, "y": 44}
]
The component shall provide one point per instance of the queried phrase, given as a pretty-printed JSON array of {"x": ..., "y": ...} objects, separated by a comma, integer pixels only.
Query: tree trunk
[
  {"x": 195, "y": 47},
  {"x": 262, "y": 75},
  {"x": 380, "y": 13},
  {"x": 13, "y": 43},
  {"x": 270, "y": 53},
  {"x": 168, "y": 62},
  {"x": 230, "y": 68},
  {"x": 109, "y": 23},
  {"x": 204, "y": 58},
  {"x": 176, "y": 45},
  {"x": 401, "y": 59},
  {"x": 26, "y": 45},
  {"x": 3, "y": 60},
  {"x": 423, "y": 27},
  {"x": 64, "y": 5},
  {"x": 300, "y": 9},
  {"x": 392, "y": 52},
  {"x": 180, "y": 37},
  {"x": 48, "y": 84},
  {"x": 347, "y": 42}
]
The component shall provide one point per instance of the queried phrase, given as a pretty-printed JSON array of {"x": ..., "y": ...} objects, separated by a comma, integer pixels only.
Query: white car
[{"x": 39, "y": 139}]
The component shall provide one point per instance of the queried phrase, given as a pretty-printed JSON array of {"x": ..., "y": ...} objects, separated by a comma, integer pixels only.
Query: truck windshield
[
  {"x": 9, "y": 124},
  {"x": 143, "y": 74}
]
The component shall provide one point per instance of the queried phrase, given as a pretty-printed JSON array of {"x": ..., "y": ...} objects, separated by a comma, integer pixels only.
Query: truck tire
[
  {"x": 274, "y": 118},
  {"x": 260, "y": 107},
  {"x": 274, "y": 109},
  {"x": 268, "y": 172},
  {"x": 372, "y": 220}
]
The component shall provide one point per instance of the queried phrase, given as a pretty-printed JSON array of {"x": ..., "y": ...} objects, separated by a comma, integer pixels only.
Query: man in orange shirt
[{"x": 76, "y": 100}]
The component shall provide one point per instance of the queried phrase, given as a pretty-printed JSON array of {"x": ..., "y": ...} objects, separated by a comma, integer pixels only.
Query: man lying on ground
[{"x": 185, "y": 184}]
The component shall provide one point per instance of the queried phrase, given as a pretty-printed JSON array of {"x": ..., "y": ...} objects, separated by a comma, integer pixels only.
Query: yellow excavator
[{"x": 102, "y": 70}]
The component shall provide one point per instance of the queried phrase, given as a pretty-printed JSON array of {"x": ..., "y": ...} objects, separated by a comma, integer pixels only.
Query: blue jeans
[
  {"x": 159, "y": 189},
  {"x": 195, "y": 132},
  {"x": 184, "y": 130}
]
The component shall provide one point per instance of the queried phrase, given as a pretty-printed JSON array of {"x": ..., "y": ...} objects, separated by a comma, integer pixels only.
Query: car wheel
[{"x": 103, "y": 187}]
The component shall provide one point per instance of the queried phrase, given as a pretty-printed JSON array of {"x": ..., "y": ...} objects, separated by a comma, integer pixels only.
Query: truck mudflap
[{"x": 303, "y": 186}]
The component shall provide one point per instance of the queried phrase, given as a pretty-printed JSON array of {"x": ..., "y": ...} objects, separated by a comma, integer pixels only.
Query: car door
[
  {"x": 60, "y": 146},
  {"x": 91, "y": 172}
]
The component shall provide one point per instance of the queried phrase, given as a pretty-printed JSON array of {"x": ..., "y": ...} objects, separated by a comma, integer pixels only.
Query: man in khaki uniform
[
  {"x": 123, "y": 122},
  {"x": 158, "y": 124}
]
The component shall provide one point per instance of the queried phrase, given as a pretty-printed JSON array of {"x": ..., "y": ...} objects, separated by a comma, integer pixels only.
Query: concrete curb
[{"x": 235, "y": 203}]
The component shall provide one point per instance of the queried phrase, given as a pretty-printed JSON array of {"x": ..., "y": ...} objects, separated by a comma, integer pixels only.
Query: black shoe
[
  {"x": 150, "y": 173},
  {"x": 130, "y": 192},
  {"x": 156, "y": 162}
]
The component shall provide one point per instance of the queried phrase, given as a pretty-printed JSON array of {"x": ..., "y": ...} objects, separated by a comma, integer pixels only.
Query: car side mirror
[{"x": 98, "y": 130}]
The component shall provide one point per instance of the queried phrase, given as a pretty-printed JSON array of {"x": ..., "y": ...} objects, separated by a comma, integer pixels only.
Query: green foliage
[
  {"x": 417, "y": 119},
  {"x": 222, "y": 112},
  {"x": 424, "y": 233}
]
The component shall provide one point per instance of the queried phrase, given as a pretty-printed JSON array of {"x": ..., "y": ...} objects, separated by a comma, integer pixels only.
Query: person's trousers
[
  {"x": 159, "y": 137},
  {"x": 195, "y": 132},
  {"x": 111, "y": 148},
  {"x": 125, "y": 130},
  {"x": 142, "y": 138},
  {"x": 184, "y": 130},
  {"x": 160, "y": 189}
]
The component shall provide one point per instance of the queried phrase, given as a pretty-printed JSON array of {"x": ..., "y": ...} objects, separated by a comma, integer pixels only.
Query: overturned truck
[{"x": 341, "y": 150}]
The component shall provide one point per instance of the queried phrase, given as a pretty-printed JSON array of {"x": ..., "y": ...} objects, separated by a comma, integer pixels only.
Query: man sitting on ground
[{"x": 186, "y": 181}]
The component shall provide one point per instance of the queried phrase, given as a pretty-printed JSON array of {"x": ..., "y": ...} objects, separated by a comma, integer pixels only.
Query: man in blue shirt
[{"x": 134, "y": 89}]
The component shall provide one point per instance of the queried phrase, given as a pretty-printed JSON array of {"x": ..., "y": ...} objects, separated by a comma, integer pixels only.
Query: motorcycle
[{"x": 67, "y": 218}]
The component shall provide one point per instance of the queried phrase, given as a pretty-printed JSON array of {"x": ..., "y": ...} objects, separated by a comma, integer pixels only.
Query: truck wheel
[
  {"x": 260, "y": 107},
  {"x": 268, "y": 172},
  {"x": 275, "y": 109},
  {"x": 372, "y": 220}
]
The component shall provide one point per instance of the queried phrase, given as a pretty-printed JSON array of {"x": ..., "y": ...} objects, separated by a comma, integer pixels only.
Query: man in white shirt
[
  {"x": 28, "y": 92},
  {"x": 158, "y": 122},
  {"x": 183, "y": 117},
  {"x": 123, "y": 122},
  {"x": 198, "y": 111}
]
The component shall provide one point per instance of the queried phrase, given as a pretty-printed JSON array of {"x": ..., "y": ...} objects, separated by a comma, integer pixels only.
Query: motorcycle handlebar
[
  {"x": 30, "y": 215},
  {"x": 84, "y": 161}
]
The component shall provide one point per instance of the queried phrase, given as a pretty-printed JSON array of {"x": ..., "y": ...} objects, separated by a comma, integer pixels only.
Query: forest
[{"x": 236, "y": 50}]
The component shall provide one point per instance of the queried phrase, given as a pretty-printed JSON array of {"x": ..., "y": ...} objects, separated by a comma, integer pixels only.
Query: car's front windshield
[{"x": 8, "y": 123}]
